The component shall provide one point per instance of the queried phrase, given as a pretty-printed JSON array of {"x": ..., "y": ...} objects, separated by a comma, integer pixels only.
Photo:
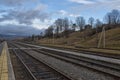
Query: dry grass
[
  {"x": 106, "y": 51},
  {"x": 75, "y": 39}
]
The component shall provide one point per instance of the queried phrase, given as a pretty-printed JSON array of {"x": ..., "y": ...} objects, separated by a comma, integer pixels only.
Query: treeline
[{"x": 62, "y": 27}]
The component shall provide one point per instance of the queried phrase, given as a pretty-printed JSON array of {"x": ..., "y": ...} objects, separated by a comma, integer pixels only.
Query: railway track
[
  {"x": 106, "y": 68},
  {"x": 115, "y": 56},
  {"x": 97, "y": 65},
  {"x": 20, "y": 71},
  {"x": 37, "y": 69}
]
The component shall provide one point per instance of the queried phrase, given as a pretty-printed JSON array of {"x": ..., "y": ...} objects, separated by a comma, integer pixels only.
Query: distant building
[{"x": 88, "y": 27}]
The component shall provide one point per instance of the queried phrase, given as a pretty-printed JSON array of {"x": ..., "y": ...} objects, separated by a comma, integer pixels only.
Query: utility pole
[
  {"x": 53, "y": 37},
  {"x": 96, "y": 36},
  {"x": 102, "y": 36}
]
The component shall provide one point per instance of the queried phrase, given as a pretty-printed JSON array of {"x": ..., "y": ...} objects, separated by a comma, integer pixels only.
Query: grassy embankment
[{"x": 112, "y": 41}]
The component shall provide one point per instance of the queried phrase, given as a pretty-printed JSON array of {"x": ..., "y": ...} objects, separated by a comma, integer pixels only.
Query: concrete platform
[{"x": 6, "y": 71}]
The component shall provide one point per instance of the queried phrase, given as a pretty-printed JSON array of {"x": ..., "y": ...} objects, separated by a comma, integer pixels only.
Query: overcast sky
[{"x": 29, "y": 16}]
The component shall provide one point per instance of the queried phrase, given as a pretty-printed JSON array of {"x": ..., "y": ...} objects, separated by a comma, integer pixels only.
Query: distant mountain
[
  {"x": 11, "y": 31},
  {"x": 12, "y": 34},
  {"x": 4, "y": 36}
]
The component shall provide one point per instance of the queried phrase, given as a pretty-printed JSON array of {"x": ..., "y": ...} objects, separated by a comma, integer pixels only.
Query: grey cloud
[
  {"x": 25, "y": 17},
  {"x": 11, "y": 2},
  {"x": 2, "y": 11},
  {"x": 28, "y": 16},
  {"x": 113, "y": 4},
  {"x": 6, "y": 17}
]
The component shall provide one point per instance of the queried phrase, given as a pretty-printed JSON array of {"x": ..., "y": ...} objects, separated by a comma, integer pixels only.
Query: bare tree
[
  {"x": 59, "y": 22},
  {"x": 66, "y": 24},
  {"x": 70, "y": 24},
  {"x": 91, "y": 21},
  {"x": 108, "y": 18},
  {"x": 66, "y": 27},
  {"x": 57, "y": 27},
  {"x": 112, "y": 17},
  {"x": 80, "y": 21},
  {"x": 74, "y": 27},
  {"x": 98, "y": 23},
  {"x": 115, "y": 16},
  {"x": 61, "y": 25},
  {"x": 49, "y": 31},
  {"x": 33, "y": 37}
]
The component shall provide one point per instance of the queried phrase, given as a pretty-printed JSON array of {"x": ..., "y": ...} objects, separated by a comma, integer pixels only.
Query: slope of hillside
[{"x": 112, "y": 40}]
